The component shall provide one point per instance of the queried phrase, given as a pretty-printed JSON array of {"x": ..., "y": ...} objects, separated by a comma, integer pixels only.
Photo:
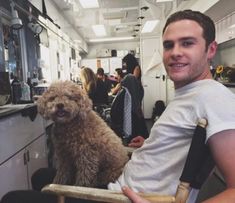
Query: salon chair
[{"x": 198, "y": 166}]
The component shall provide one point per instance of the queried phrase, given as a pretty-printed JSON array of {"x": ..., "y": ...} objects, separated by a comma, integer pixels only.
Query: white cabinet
[
  {"x": 36, "y": 156},
  {"x": 22, "y": 151},
  {"x": 225, "y": 28},
  {"x": 13, "y": 174}
]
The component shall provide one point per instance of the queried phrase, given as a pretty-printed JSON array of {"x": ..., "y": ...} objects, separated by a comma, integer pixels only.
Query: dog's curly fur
[{"x": 88, "y": 152}]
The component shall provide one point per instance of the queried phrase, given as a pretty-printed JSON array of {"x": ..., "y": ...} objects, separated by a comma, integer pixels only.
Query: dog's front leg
[
  {"x": 87, "y": 170},
  {"x": 63, "y": 173}
]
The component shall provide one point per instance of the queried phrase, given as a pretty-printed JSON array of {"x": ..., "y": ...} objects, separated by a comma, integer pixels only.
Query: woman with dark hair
[
  {"x": 131, "y": 65},
  {"x": 132, "y": 81}
]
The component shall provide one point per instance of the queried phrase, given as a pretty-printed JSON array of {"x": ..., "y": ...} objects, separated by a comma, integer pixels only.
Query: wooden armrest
[
  {"x": 100, "y": 194},
  {"x": 130, "y": 150}
]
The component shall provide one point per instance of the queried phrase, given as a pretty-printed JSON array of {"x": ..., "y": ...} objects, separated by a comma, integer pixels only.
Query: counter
[{"x": 9, "y": 109}]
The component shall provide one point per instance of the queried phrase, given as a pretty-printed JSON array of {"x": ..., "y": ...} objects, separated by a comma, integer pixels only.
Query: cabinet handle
[
  {"x": 25, "y": 159},
  {"x": 28, "y": 157}
]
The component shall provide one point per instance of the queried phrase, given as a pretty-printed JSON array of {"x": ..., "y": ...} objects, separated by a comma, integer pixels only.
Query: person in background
[
  {"x": 132, "y": 81},
  {"x": 119, "y": 76},
  {"x": 88, "y": 80},
  {"x": 188, "y": 47},
  {"x": 131, "y": 65},
  {"x": 102, "y": 76},
  {"x": 94, "y": 87}
]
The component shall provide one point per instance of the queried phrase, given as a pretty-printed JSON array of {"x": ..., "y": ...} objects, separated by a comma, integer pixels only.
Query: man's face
[{"x": 185, "y": 56}]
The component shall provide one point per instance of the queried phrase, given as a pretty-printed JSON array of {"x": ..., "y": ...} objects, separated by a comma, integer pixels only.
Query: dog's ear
[
  {"x": 41, "y": 105},
  {"x": 83, "y": 101}
]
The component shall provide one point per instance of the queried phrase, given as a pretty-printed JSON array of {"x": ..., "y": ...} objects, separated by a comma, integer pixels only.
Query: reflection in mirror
[{"x": 12, "y": 52}]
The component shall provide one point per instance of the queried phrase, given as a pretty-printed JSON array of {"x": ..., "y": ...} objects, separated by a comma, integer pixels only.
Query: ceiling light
[
  {"x": 99, "y": 30},
  {"x": 232, "y": 26},
  {"x": 149, "y": 26},
  {"x": 89, "y": 3},
  {"x": 78, "y": 41},
  {"x": 16, "y": 22},
  {"x": 158, "y": 1},
  {"x": 110, "y": 39}
]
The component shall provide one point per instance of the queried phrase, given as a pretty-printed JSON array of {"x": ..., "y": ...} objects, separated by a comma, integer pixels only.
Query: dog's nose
[{"x": 60, "y": 106}]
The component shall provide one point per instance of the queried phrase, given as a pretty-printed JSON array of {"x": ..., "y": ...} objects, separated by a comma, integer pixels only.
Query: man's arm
[
  {"x": 222, "y": 147},
  {"x": 133, "y": 196}
]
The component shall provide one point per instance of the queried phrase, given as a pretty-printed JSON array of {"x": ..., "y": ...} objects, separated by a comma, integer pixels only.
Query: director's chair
[{"x": 197, "y": 168}]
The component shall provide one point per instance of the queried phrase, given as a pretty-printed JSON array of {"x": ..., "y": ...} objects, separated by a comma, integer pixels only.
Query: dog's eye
[
  {"x": 70, "y": 97},
  {"x": 51, "y": 99}
]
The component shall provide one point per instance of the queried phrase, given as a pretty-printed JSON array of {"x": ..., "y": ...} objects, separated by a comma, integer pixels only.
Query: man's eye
[
  {"x": 168, "y": 45},
  {"x": 187, "y": 43}
]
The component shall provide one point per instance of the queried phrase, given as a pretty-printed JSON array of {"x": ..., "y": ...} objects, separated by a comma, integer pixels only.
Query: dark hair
[
  {"x": 204, "y": 21},
  {"x": 119, "y": 72},
  {"x": 100, "y": 71},
  {"x": 131, "y": 63}
]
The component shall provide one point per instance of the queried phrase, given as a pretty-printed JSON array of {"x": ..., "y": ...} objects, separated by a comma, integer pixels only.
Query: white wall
[
  {"x": 115, "y": 45},
  {"x": 153, "y": 74}
]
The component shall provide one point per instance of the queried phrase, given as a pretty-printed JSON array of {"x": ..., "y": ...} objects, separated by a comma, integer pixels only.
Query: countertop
[{"x": 24, "y": 109}]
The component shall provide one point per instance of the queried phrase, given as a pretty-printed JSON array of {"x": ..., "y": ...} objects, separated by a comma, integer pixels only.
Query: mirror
[{"x": 12, "y": 52}]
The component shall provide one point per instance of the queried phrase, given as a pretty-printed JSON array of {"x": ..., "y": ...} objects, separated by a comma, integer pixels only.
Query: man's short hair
[
  {"x": 119, "y": 72},
  {"x": 100, "y": 71},
  {"x": 203, "y": 20}
]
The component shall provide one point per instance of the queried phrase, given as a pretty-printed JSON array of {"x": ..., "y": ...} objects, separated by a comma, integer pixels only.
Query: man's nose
[{"x": 176, "y": 51}]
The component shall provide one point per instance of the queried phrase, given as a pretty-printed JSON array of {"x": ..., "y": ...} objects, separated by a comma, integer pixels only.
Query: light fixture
[
  {"x": 144, "y": 8},
  {"x": 111, "y": 39},
  {"x": 149, "y": 26},
  {"x": 99, "y": 30},
  {"x": 141, "y": 17},
  {"x": 16, "y": 22},
  {"x": 35, "y": 27},
  {"x": 89, "y": 3},
  {"x": 158, "y": 1}
]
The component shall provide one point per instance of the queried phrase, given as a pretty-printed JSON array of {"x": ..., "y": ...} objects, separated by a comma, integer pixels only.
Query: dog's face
[{"x": 63, "y": 101}]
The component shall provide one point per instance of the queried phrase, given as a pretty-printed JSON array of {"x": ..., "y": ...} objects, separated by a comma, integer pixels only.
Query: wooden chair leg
[{"x": 61, "y": 199}]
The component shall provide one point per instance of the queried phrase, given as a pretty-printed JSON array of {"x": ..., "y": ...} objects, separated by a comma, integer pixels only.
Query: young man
[{"x": 189, "y": 45}]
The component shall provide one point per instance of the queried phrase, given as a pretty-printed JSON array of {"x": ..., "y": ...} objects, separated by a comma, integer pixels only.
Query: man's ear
[{"x": 212, "y": 48}]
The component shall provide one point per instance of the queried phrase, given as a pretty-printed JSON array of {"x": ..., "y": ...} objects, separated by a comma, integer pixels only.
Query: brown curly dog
[{"x": 88, "y": 153}]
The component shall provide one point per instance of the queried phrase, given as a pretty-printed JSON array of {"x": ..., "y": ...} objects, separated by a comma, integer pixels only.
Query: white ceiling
[{"x": 120, "y": 17}]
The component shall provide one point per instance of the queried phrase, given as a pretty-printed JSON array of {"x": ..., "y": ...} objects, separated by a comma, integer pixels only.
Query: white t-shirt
[{"x": 157, "y": 165}]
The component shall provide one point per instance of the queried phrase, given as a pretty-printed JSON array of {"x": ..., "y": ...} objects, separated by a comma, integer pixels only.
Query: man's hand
[
  {"x": 136, "y": 142},
  {"x": 133, "y": 196}
]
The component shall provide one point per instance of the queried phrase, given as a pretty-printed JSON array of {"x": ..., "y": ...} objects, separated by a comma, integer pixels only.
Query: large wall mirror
[{"x": 12, "y": 52}]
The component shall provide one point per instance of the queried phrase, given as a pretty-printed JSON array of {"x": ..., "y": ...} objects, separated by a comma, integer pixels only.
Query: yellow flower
[{"x": 219, "y": 69}]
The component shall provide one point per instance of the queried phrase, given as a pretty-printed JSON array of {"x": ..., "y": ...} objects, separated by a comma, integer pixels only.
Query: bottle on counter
[
  {"x": 29, "y": 82},
  {"x": 16, "y": 90},
  {"x": 25, "y": 89}
]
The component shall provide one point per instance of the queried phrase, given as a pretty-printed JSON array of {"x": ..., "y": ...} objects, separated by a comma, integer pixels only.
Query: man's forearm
[{"x": 227, "y": 196}]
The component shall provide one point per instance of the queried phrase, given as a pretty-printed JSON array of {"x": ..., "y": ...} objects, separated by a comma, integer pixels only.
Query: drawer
[{"x": 17, "y": 132}]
